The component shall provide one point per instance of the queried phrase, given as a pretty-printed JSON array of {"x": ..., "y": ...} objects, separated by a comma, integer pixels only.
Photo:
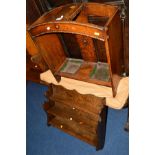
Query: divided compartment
[
  {"x": 101, "y": 72},
  {"x": 82, "y": 41},
  {"x": 71, "y": 65},
  {"x": 86, "y": 58},
  {"x": 79, "y": 69}
]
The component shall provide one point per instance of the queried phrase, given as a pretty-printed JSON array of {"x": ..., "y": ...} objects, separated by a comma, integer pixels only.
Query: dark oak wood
[
  {"x": 34, "y": 9},
  {"x": 69, "y": 113},
  {"x": 114, "y": 49},
  {"x": 84, "y": 74},
  {"x": 75, "y": 21},
  {"x": 68, "y": 27},
  {"x": 73, "y": 36},
  {"x": 33, "y": 70},
  {"x": 35, "y": 64},
  {"x": 92, "y": 103},
  {"x": 99, "y": 46},
  {"x": 82, "y": 116},
  {"x": 124, "y": 15},
  {"x": 86, "y": 43}
]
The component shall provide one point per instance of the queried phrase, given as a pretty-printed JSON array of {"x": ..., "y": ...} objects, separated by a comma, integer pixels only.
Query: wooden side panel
[
  {"x": 32, "y": 73},
  {"x": 97, "y": 9},
  {"x": 34, "y": 54},
  {"x": 116, "y": 44},
  {"x": 115, "y": 50},
  {"x": 99, "y": 45},
  {"x": 86, "y": 43},
  {"x": 72, "y": 45},
  {"x": 126, "y": 53},
  {"x": 30, "y": 45},
  {"x": 51, "y": 50}
]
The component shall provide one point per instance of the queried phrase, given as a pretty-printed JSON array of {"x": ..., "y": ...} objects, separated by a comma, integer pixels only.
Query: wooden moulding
[
  {"x": 89, "y": 30},
  {"x": 74, "y": 19}
]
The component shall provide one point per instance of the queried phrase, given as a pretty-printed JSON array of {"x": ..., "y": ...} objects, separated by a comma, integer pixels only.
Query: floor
[{"x": 44, "y": 140}]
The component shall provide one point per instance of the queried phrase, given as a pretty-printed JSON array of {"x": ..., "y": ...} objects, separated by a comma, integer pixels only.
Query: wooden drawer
[{"x": 87, "y": 103}]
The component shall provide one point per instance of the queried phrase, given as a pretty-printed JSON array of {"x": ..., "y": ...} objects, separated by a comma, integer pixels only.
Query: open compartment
[
  {"x": 93, "y": 72},
  {"x": 82, "y": 41}
]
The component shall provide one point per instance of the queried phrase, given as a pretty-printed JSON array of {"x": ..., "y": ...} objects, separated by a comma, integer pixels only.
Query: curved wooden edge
[
  {"x": 86, "y": 29},
  {"x": 117, "y": 102}
]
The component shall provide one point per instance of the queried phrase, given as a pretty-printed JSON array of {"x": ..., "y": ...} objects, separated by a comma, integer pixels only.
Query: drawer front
[
  {"x": 87, "y": 103},
  {"x": 74, "y": 129},
  {"x": 86, "y": 120}
]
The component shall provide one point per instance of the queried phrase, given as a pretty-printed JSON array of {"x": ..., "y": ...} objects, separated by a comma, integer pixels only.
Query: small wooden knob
[
  {"x": 57, "y": 26},
  {"x": 48, "y": 28},
  {"x": 70, "y": 118}
]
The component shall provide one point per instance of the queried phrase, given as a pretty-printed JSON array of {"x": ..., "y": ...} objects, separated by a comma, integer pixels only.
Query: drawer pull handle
[
  {"x": 70, "y": 118},
  {"x": 73, "y": 108},
  {"x": 36, "y": 66},
  {"x": 81, "y": 123},
  {"x": 61, "y": 126}
]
